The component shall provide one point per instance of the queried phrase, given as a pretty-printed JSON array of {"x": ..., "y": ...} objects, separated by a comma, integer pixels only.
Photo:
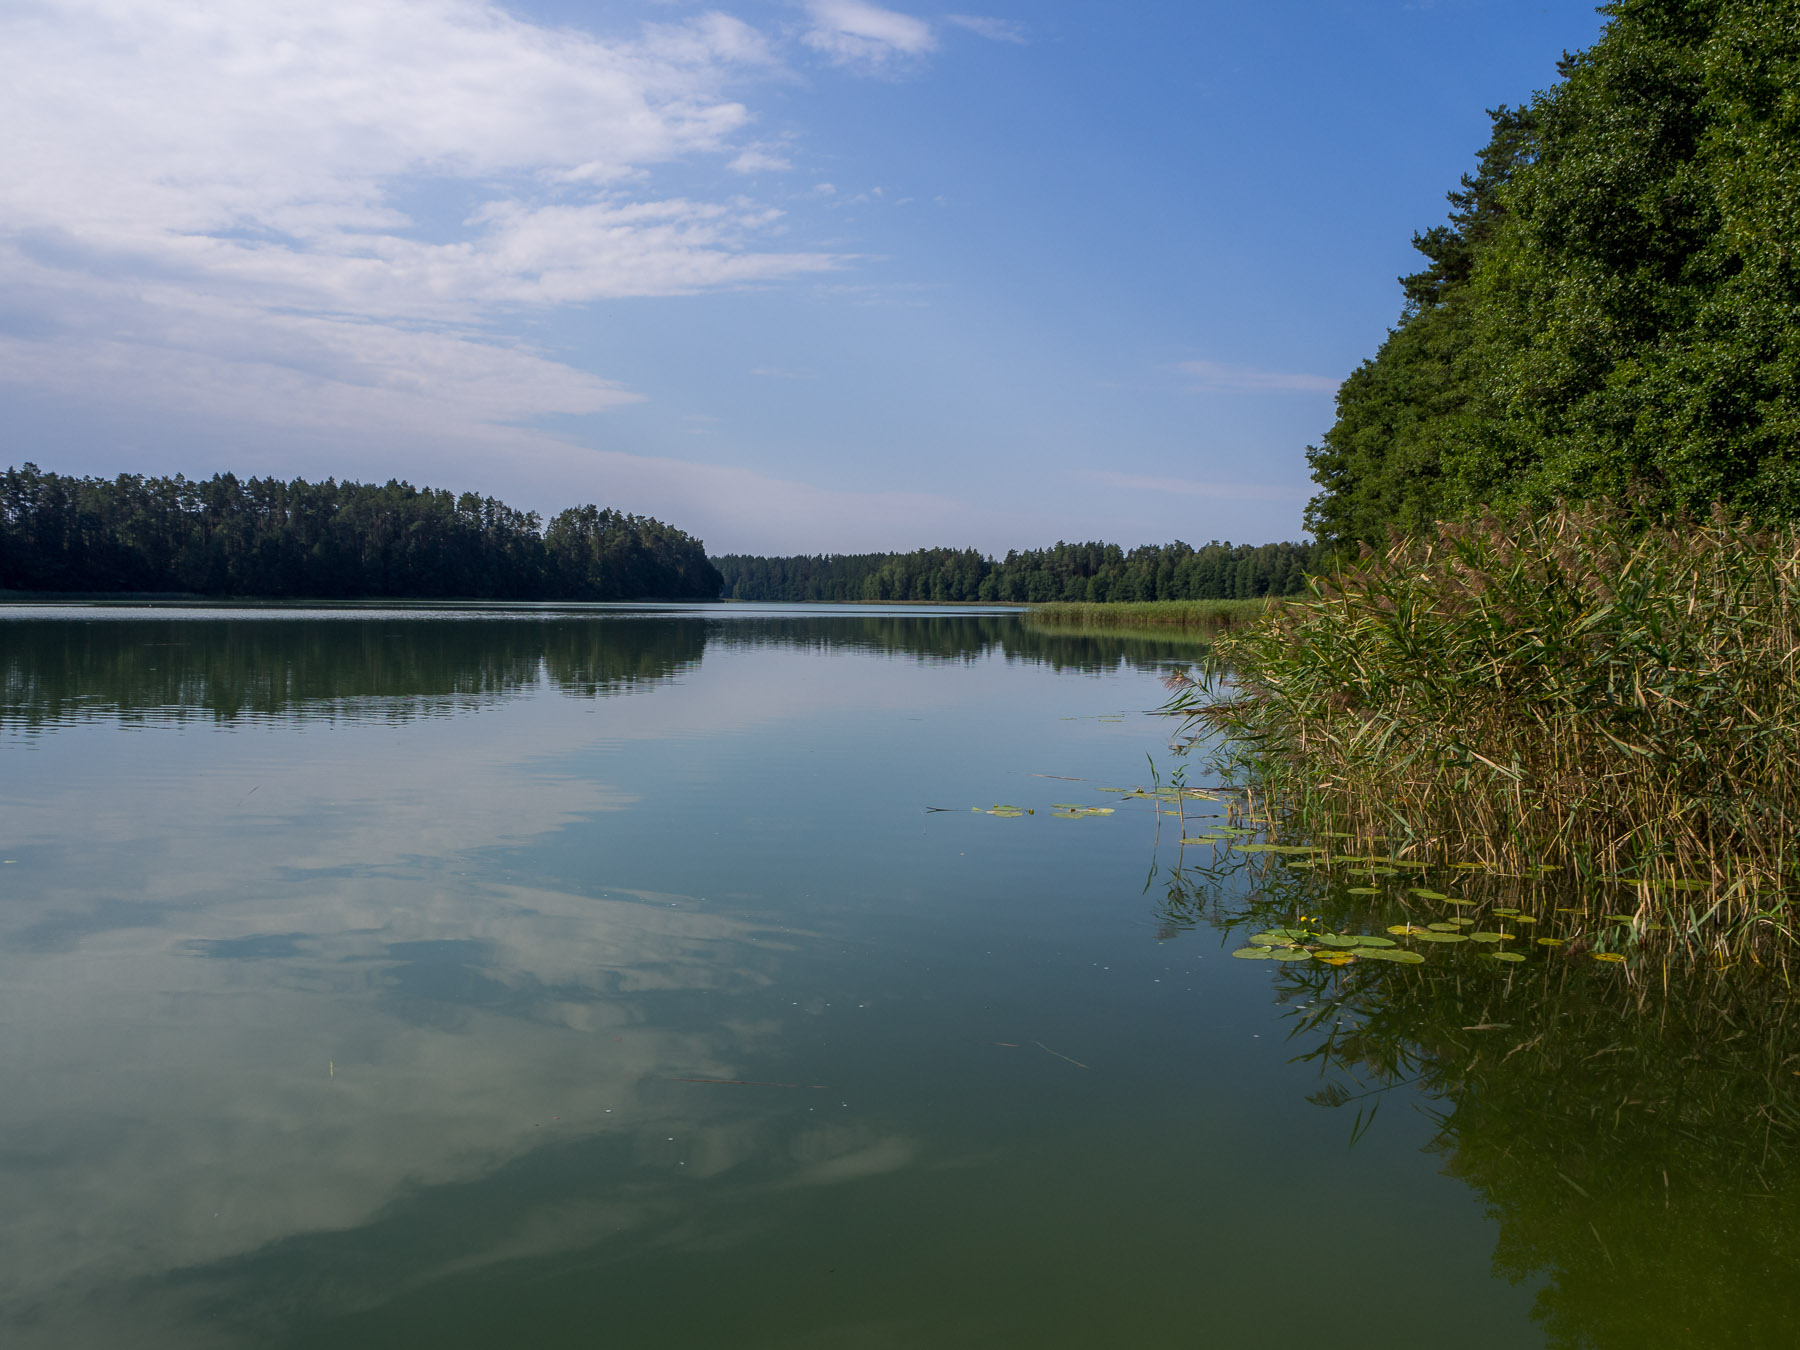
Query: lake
[{"x": 659, "y": 976}]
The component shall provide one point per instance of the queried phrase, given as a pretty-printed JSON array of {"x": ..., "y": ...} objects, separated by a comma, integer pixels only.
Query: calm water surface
[{"x": 381, "y": 978}]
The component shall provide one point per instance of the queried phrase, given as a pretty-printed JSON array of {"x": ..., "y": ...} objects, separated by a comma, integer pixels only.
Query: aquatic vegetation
[
  {"x": 1577, "y": 691},
  {"x": 1200, "y": 618}
]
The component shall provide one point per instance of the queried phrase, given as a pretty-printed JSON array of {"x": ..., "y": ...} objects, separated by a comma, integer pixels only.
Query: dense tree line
[
  {"x": 1613, "y": 307},
  {"x": 1065, "y": 572},
  {"x": 264, "y": 537}
]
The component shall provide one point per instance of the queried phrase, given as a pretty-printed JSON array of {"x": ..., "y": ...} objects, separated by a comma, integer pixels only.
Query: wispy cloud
[
  {"x": 997, "y": 30},
  {"x": 220, "y": 191},
  {"x": 1220, "y": 377},
  {"x": 757, "y": 160},
  {"x": 856, "y": 33},
  {"x": 1188, "y": 487}
]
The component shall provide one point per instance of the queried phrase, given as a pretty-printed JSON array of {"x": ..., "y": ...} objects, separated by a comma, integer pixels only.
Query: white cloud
[
  {"x": 997, "y": 30},
  {"x": 1219, "y": 377},
  {"x": 854, "y": 32},
  {"x": 218, "y": 203},
  {"x": 754, "y": 160}
]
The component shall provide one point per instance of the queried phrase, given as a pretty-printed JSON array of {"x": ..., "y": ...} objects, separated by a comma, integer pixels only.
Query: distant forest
[
  {"x": 1095, "y": 572},
  {"x": 264, "y": 537}
]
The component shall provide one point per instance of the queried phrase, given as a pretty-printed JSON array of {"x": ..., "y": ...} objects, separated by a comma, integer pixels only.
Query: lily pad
[
  {"x": 1363, "y": 890},
  {"x": 1254, "y": 953},
  {"x": 1275, "y": 848},
  {"x": 1463, "y": 923},
  {"x": 1334, "y": 958},
  {"x": 1503, "y": 956},
  {"x": 1424, "y": 894},
  {"x": 1288, "y": 953},
  {"x": 1334, "y": 940},
  {"x": 1407, "y": 929},
  {"x": 1490, "y": 937},
  {"x": 1521, "y": 918},
  {"x": 1370, "y": 940},
  {"x": 1551, "y": 942},
  {"x": 1395, "y": 954},
  {"x": 1442, "y": 927},
  {"x": 1608, "y": 956},
  {"x": 1452, "y": 900},
  {"x": 1440, "y": 937}
]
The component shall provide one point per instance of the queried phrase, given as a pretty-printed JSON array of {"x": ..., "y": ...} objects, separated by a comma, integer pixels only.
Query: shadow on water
[
  {"x": 1634, "y": 1131},
  {"x": 238, "y": 666}
]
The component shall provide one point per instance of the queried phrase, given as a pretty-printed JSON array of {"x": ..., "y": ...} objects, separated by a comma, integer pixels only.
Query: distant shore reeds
[
  {"x": 1197, "y": 615},
  {"x": 1574, "y": 691}
]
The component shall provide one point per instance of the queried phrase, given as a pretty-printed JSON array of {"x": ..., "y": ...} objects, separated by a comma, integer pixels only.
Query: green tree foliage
[
  {"x": 263, "y": 537},
  {"x": 1614, "y": 306},
  {"x": 1081, "y": 572}
]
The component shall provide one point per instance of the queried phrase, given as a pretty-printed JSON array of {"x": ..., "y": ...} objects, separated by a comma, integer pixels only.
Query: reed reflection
[{"x": 1634, "y": 1132}]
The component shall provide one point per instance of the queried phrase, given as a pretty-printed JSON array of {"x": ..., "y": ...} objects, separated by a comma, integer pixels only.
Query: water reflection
[
  {"x": 208, "y": 1113},
  {"x": 250, "y": 665},
  {"x": 1634, "y": 1135}
]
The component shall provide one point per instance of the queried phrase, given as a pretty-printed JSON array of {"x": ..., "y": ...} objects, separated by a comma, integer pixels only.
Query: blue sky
[{"x": 798, "y": 277}]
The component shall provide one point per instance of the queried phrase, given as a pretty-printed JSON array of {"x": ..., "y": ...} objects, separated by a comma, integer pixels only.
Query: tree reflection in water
[{"x": 1633, "y": 1130}]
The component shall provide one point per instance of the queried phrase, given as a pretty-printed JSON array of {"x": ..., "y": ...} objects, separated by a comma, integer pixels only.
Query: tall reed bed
[
  {"x": 1195, "y": 615},
  {"x": 1573, "y": 691}
]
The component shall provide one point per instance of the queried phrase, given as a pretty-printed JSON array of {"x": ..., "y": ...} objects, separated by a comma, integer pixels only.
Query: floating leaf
[
  {"x": 1363, "y": 890},
  {"x": 1463, "y": 923},
  {"x": 1394, "y": 954},
  {"x": 1452, "y": 900},
  {"x": 1406, "y": 929},
  {"x": 1503, "y": 956},
  {"x": 1334, "y": 940},
  {"x": 1204, "y": 839},
  {"x": 1428, "y": 895},
  {"x": 1509, "y": 911},
  {"x": 1551, "y": 942},
  {"x": 1369, "y": 940},
  {"x": 1275, "y": 848},
  {"x": 1522, "y": 918},
  {"x": 1334, "y": 958},
  {"x": 1253, "y": 953},
  {"x": 1440, "y": 937},
  {"x": 1607, "y": 956},
  {"x": 1288, "y": 953},
  {"x": 1490, "y": 937},
  {"x": 1441, "y": 927},
  {"x": 1571, "y": 911}
]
